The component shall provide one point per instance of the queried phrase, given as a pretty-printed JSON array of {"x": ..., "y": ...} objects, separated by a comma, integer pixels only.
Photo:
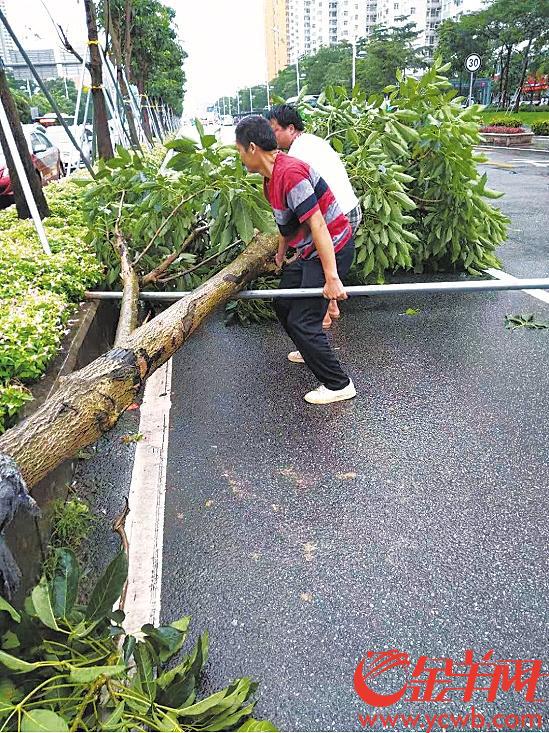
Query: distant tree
[{"x": 386, "y": 51}]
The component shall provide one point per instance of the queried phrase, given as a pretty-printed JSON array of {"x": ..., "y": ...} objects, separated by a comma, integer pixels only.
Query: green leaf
[
  {"x": 83, "y": 675},
  {"x": 18, "y": 665},
  {"x": 108, "y": 588},
  {"x": 128, "y": 646},
  {"x": 64, "y": 585},
  {"x": 166, "y": 640},
  {"x": 243, "y": 220},
  {"x": 5, "y": 606},
  {"x": 257, "y": 725},
  {"x": 145, "y": 669},
  {"x": 115, "y": 717},
  {"x": 42, "y": 604},
  {"x": 337, "y": 145},
  {"x": 41, "y": 719}
]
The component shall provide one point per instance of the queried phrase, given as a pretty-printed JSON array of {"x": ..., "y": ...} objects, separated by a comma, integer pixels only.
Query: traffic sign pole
[{"x": 473, "y": 63}]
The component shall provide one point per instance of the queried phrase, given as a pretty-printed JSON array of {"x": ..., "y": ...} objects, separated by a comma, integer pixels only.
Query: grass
[{"x": 526, "y": 117}]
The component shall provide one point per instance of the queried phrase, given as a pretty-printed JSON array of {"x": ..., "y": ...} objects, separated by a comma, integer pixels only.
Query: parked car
[
  {"x": 228, "y": 120},
  {"x": 70, "y": 157},
  {"x": 45, "y": 156}
]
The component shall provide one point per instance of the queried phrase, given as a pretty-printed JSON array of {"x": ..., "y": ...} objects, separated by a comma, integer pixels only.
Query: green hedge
[
  {"x": 38, "y": 293},
  {"x": 540, "y": 128}
]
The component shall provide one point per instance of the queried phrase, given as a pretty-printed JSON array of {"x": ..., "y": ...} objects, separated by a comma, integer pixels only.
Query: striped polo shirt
[{"x": 295, "y": 192}]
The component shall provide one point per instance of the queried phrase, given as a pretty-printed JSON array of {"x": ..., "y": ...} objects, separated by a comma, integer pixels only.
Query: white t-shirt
[{"x": 320, "y": 155}]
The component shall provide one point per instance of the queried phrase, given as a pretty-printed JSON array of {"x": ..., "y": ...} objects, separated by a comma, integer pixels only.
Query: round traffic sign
[{"x": 473, "y": 62}]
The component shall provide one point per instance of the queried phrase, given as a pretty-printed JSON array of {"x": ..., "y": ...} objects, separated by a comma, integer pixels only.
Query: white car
[{"x": 70, "y": 157}]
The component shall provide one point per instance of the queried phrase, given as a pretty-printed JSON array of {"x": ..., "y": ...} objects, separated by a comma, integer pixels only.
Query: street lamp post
[
  {"x": 297, "y": 73},
  {"x": 251, "y": 103},
  {"x": 268, "y": 94},
  {"x": 238, "y": 100}
]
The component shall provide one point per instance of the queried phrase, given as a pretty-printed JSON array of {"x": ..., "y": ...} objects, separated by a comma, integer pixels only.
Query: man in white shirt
[{"x": 288, "y": 128}]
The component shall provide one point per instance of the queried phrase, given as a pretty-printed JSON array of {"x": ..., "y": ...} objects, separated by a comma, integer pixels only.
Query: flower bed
[
  {"x": 38, "y": 293},
  {"x": 504, "y": 130}
]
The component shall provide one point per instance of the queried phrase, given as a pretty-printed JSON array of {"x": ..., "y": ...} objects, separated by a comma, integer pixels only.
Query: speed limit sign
[{"x": 473, "y": 62}]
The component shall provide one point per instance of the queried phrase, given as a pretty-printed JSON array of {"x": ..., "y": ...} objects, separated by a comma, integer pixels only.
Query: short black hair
[
  {"x": 285, "y": 115},
  {"x": 255, "y": 129}
]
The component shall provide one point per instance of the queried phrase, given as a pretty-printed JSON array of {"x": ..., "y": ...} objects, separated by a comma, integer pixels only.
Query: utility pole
[{"x": 251, "y": 103}]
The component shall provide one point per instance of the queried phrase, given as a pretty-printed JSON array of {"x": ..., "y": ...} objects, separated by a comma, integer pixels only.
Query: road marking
[
  {"x": 502, "y": 149},
  {"x": 506, "y": 166},
  {"x": 542, "y": 295},
  {"x": 145, "y": 524},
  {"x": 542, "y": 164}
]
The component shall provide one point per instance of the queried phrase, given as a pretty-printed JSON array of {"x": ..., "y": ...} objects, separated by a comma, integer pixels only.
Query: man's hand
[
  {"x": 334, "y": 290},
  {"x": 279, "y": 259}
]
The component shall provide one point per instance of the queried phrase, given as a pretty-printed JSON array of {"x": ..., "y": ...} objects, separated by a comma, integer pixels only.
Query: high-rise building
[
  {"x": 275, "y": 36},
  {"x": 314, "y": 23},
  {"x": 7, "y": 46}
]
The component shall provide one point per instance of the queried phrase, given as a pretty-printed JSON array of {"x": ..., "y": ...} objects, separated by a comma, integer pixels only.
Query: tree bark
[
  {"x": 505, "y": 99},
  {"x": 128, "y": 46},
  {"x": 89, "y": 402},
  {"x": 117, "y": 53},
  {"x": 516, "y": 106},
  {"x": 34, "y": 178},
  {"x": 104, "y": 145}
]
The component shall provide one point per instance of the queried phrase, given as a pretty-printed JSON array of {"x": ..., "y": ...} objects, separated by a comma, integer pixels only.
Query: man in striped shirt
[{"x": 311, "y": 222}]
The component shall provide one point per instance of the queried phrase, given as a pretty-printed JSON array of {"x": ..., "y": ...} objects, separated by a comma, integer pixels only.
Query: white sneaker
[
  {"x": 296, "y": 357},
  {"x": 323, "y": 396}
]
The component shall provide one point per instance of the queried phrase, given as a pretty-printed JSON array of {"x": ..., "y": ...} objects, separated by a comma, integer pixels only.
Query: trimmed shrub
[
  {"x": 38, "y": 293},
  {"x": 540, "y": 128}
]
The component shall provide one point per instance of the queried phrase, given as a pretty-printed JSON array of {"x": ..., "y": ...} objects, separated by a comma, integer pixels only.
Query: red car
[{"x": 45, "y": 157}]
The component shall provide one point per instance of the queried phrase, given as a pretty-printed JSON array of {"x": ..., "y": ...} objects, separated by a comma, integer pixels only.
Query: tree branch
[
  {"x": 154, "y": 275},
  {"x": 200, "y": 264},
  {"x": 166, "y": 220}
]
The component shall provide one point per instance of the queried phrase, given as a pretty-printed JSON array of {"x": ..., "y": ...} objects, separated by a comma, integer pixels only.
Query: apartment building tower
[{"x": 310, "y": 24}]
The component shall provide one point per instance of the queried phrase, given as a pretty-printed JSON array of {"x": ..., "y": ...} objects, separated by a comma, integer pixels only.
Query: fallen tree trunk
[{"x": 89, "y": 402}]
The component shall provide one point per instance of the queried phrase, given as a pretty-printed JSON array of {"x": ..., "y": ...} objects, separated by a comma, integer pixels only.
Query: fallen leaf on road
[
  {"x": 348, "y": 475},
  {"x": 306, "y": 596},
  {"x": 208, "y": 503}
]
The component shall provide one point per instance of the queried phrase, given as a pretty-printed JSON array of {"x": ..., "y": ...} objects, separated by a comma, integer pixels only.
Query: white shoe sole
[
  {"x": 295, "y": 359},
  {"x": 315, "y": 399}
]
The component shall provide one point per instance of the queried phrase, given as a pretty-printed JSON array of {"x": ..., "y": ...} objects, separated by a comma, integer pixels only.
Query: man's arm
[
  {"x": 333, "y": 289},
  {"x": 282, "y": 247}
]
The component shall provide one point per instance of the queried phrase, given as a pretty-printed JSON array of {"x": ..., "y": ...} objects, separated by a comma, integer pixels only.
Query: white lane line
[
  {"x": 542, "y": 295},
  {"x": 145, "y": 523}
]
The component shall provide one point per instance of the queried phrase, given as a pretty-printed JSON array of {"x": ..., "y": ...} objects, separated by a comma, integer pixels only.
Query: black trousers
[{"x": 302, "y": 317}]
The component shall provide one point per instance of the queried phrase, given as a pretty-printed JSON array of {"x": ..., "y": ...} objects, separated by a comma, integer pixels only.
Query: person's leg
[
  {"x": 333, "y": 313},
  {"x": 291, "y": 278},
  {"x": 304, "y": 323}
]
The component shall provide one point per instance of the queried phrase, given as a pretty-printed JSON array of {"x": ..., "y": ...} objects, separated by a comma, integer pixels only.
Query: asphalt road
[{"x": 413, "y": 517}]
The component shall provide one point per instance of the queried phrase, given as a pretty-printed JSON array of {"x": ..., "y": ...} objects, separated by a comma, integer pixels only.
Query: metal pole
[
  {"x": 268, "y": 94},
  {"x": 470, "y": 286},
  {"x": 297, "y": 72},
  {"x": 31, "y": 203},
  {"x": 469, "y": 101},
  {"x": 46, "y": 92},
  {"x": 251, "y": 103},
  {"x": 230, "y": 106},
  {"x": 353, "y": 80},
  {"x": 77, "y": 111},
  {"x": 238, "y": 101}
]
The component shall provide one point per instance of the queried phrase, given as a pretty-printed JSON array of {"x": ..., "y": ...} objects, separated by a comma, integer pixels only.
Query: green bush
[
  {"x": 505, "y": 120},
  {"x": 540, "y": 128},
  {"x": 39, "y": 292},
  {"x": 413, "y": 166}
]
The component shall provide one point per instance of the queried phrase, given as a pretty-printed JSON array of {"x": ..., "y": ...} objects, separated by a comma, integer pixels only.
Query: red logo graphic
[{"x": 441, "y": 679}]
